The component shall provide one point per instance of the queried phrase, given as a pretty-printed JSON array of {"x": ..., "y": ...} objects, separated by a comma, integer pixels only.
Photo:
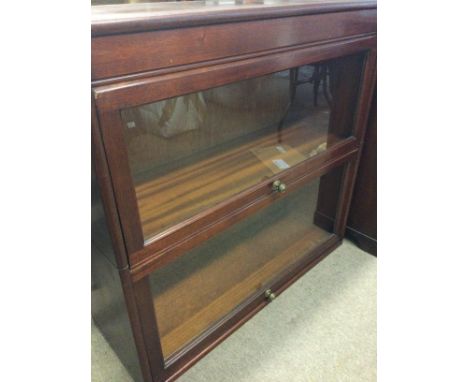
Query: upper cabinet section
[
  {"x": 191, "y": 152},
  {"x": 204, "y": 106},
  {"x": 136, "y": 38}
]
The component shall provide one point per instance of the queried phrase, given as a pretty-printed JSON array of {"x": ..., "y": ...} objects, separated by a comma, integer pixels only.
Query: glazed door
[
  {"x": 213, "y": 281},
  {"x": 188, "y": 156}
]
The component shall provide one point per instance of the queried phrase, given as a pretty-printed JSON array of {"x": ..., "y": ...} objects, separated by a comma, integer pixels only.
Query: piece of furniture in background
[{"x": 213, "y": 171}]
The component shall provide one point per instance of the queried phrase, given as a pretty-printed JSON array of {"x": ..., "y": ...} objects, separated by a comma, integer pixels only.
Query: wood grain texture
[
  {"x": 208, "y": 282},
  {"x": 148, "y": 329},
  {"x": 324, "y": 216},
  {"x": 362, "y": 113},
  {"x": 130, "y": 18},
  {"x": 125, "y": 54},
  {"x": 171, "y": 198},
  {"x": 133, "y": 302},
  {"x": 139, "y": 59},
  {"x": 101, "y": 185},
  {"x": 205, "y": 225},
  {"x": 345, "y": 90},
  {"x": 106, "y": 291},
  {"x": 201, "y": 320},
  {"x": 168, "y": 199},
  {"x": 115, "y": 149},
  {"x": 361, "y": 226},
  {"x": 113, "y": 300},
  {"x": 112, "y": 312},
  {"x": 181, "y": 361},
  {"x": 163, "y": 133},
  {"x": 171, "y": 85},
  {"x": 226, "y": 60},
  {"x": 145, "y": 90}
]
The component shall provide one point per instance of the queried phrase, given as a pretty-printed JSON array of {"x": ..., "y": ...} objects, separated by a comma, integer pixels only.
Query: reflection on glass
[
  {"x": 108, "y": 2},
  {"x": 204, "y": 285},
  {"x": 191, "y": 152},
  {"x": 183, "y": 4}
]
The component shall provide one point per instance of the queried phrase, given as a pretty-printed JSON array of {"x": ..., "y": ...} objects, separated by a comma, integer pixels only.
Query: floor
[{"x": 323, "y": 328}]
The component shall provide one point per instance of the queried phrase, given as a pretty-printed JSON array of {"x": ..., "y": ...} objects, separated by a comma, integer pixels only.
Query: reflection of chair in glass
[{"x": 317, "y": 75}]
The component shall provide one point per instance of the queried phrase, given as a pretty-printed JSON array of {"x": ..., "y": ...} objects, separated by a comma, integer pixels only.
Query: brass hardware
[
  {"x": 279, "y": 186},
  {"x": 270, "y": 296}
]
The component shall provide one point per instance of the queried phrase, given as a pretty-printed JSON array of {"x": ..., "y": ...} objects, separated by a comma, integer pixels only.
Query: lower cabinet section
[{"x": 210, "y": 283}]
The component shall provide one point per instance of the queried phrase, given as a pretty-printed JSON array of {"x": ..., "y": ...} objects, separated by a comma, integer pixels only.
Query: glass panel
[
  {"x": 204, "y": 285},
  {"x": 191, "y": 152}
]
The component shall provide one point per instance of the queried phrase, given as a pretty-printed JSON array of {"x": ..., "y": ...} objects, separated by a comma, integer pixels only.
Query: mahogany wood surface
[
  {"x": 169, "y": 199},
  {"x": 100, "y": 168},
  {"x": 112, "y": 316},
  {"x": 128, "y": 18},
  {"x": 210, "y": 222},
  {"x": 324, "y": 214},
  {"x": 224, "y": 304},
  {"x": 121, "y": 178},
  {"x": 361, "y": 226},
  {"x": 145, "y": 90},
  {"x": 183, "y": 360},
  {"x": 119, "y": 95},
  {"x": 149, "y": 329},
  {"x": 145, "y": 53},
  {"x": 122, "y": 54},
  {"x": 132, "y": 298},
  {"x": 195, "y": 291}
]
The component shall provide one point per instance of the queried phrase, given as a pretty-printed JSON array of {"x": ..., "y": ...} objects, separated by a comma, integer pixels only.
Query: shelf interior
[
  {"x": 205, "y": 179},
  {"x": 207, "y": 283}
]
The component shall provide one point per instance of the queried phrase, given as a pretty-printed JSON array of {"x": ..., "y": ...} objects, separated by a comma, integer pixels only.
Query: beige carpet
[{"x": 323, "y": 328}]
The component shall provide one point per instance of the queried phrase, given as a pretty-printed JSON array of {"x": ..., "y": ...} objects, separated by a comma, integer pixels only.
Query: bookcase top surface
[{"x": 121, "y": 16}]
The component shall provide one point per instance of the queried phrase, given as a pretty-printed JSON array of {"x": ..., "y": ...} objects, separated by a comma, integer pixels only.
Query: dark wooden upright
[
  {"x": 361, "y": 226},
  {"x": 362, "y": 220}
]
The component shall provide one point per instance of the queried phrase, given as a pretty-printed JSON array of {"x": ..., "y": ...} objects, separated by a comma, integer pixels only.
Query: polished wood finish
[
  {"x": 103, "y": 183},
  {"x": 138, "y": 92},
  {"x": 229, "y": 146},
  {"x": 149, "y": 329},
  {"x": 181, "y": 362},
  {"x": 134, "y": 92},
  {"x": 114, "y": 308},
  {"x": 195, "y": 292},
  {"x": 324, "y": 216},
  {"x": 110, "y": 311},
  {"x": 361, "y": 226},
  {"x": 122, "y": 182},
  {"x": 172, "y": 198},
  {"x": 207, "y": 224},
  {"x": 122, "y": 54},
  {"x": 223, "y": 305},
  {"x": 143, "y": 57},
  {"x": 132, "y": 18}
]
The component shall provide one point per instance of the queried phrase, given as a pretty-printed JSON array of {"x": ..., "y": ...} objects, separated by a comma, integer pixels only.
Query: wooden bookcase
[{"x": 226, "y": 142}]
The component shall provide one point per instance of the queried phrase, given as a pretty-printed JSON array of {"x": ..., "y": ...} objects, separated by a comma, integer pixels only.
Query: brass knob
[
  {"x": 279, "y": 186},
  {"x": 270, "y": 296}
]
